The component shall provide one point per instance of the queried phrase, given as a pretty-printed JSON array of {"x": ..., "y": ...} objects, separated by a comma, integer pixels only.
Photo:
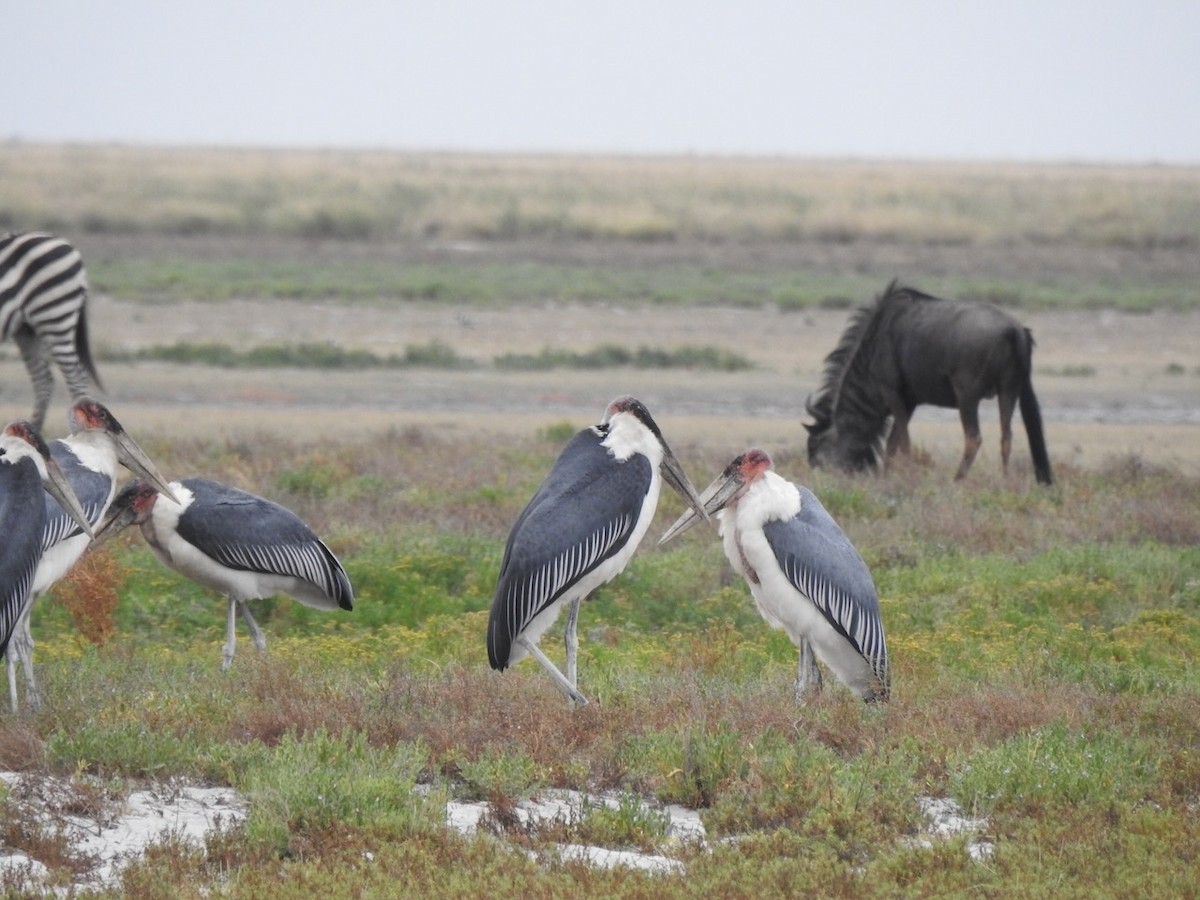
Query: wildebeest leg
[
  {"x": 898, "y": 441},
  {"x": 969, "y": 414},
  {"x": 37, "y": 362},
  {"x": 1007, "y": 403}
]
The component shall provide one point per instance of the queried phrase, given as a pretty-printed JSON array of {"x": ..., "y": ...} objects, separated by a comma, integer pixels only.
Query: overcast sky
[{"x": 1096, "y": 80}]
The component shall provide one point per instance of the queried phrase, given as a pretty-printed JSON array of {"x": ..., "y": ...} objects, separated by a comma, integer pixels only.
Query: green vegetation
[
  {"x": 300, "y": 356},
  {"x": 435, "y": 355},
  {"x": 1043, "y": 646},
  {"x": 613, "y": 355},
  {"x": 167, "y": 224}
]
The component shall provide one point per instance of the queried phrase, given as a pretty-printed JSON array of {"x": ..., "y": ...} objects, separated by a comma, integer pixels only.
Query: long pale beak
[
  {"x": 674, "y": 475},
  {"x": 134, "y": 458},
  {"x": 117, "y": 520},
  {"x": 60, "y": 489},
  {"x": 714, "y": 498}
]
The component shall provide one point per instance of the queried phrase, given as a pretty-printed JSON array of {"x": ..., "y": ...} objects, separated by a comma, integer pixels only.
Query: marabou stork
[
  {"x": 242, "y": 545},
  {"x": 805, "y": 575},
  {"x": 25, "y": 468},
  {"x": 88, "y": 458},
  {"x": 579, "y": 531}
]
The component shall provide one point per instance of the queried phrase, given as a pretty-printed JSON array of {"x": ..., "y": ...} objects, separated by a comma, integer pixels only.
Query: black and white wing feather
[
  {"x": 820, "y": 562},
  {"x": 20, "y": 550},
  {"x": 581, "y": 516},
  {"x": 241, "y": 530},
  {"x": 94, "y": 490}
]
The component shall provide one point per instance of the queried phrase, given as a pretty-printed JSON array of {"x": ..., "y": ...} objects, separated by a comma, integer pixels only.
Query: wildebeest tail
[{"x": 1031, "y": 413}]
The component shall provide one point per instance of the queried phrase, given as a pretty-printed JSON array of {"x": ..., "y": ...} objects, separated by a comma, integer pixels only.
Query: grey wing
[
  {"x": 581, "y": 515},
  {"x": 820, "y": 562},
  {"x": 93, "y": 489},
  {"x": 244, "y": 531},
  {"x": 16, "y": 592},
  {"x": 20, "y": 501}
]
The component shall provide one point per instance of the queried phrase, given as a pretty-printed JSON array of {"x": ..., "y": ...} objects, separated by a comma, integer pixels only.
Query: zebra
[{"x": 43, "y": 307}]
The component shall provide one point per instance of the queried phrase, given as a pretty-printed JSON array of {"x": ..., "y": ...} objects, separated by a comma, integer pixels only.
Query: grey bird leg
[
  {"x": 230, "y": 635},
  {"x": 256, "y": 635},
  {"x": 571, "y": 640},
  {"x": 809, "y": 676},
  {"x": 20, "y": 646},
  {"x": 11, "y": 665},
  {"x": 22, "y": 643},
  {"x": 560, "y": 680}
]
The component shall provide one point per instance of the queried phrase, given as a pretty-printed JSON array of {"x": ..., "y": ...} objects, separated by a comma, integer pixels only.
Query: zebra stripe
[{"x": 43, "y": 296}]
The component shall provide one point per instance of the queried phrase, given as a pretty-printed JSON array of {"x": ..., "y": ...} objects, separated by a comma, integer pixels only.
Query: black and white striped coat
[{"x": 43, "y": 307}]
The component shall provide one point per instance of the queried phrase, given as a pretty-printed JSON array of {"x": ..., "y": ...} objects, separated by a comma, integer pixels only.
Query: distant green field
[{"x": 350, "y": 202}]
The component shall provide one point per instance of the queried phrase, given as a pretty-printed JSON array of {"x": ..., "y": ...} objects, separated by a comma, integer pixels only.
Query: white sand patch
[
  {"x": 106, "y": 833},
  {"x": 946, "y": 820},
  {"x": 565, "y": 807}
]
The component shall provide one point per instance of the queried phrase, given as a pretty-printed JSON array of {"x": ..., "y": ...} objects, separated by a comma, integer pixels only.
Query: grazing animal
[
  {"x": 43, "y": 307},
  {"x": 805, "y": 575},
  {"x": 908, "y": 349},
  {"x": 26, "y": 467},
  {"x": 88, "y": 458},
  {"x": 579, "y": 531},
  {"x": 235, "y": 542}
]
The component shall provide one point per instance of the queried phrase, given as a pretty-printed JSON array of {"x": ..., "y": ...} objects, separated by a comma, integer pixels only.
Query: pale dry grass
[{"x": 413, "y": 195}]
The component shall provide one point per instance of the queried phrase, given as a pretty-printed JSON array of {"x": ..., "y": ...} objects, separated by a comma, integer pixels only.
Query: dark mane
[
  {"x": 821, "y": 405},
  {"x": 840, "y": 363}
]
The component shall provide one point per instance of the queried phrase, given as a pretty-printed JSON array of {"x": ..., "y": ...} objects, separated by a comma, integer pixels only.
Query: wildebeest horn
[{"x": 811, "y": 409}]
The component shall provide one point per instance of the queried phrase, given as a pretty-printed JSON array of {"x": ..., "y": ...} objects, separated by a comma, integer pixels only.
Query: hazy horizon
[{"x": 1104, "y": 82}]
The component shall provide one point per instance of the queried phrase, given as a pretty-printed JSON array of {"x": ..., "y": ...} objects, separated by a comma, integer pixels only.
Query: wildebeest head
[{"x": 829, "y": 447}]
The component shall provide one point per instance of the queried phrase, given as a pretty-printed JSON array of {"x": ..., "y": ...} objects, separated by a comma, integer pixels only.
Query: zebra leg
[
  {"x": 809, "y": 676},
  {"x": 62, "y": 348},
  {"x": 37, "y": 363}
]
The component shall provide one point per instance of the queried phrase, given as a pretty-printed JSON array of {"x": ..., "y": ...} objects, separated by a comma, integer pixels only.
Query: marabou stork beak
[
  {"x": 674, "y": 475},
  {"x": 116, "y": 521},
  {"x": 723, "y": 488},
  {"x": 60, "y": 489},
  {"x": 134, "y": 458},
  {"x": 131, "y": 506}
]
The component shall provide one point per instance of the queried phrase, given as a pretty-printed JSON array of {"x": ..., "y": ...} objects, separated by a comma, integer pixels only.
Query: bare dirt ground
[{"x": 1109, "y": 383}]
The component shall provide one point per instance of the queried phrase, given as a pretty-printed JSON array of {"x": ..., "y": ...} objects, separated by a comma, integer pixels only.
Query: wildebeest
[{"x": 910, "y": 348}]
